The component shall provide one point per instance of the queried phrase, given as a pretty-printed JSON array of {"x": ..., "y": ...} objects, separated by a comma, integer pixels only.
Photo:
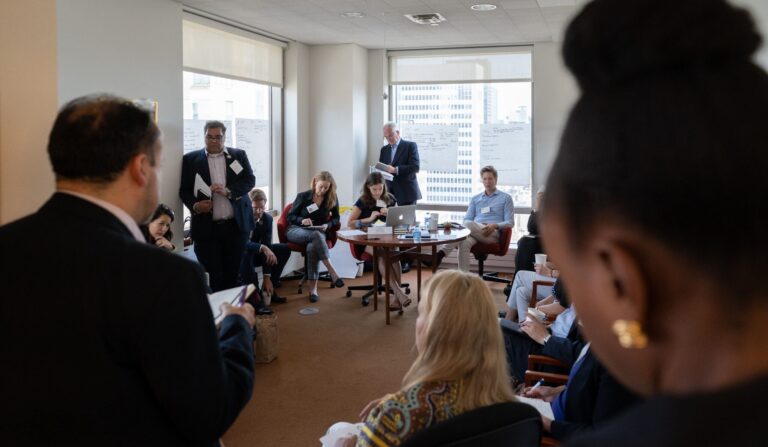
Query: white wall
[
  {"x": 130, "y": 49},
  {"x": 759, "y": 10},
  {"x": 28, "y": 104},
  {"x": 554, "y": 92},
  {"x": 378, "y": 112},
  {"x": 296, "y": 169},
  {"x": 338, "y": 107}
]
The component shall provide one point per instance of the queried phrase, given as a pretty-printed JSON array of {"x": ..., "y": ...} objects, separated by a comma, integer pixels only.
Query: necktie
[{"x": 392, "y": 151}]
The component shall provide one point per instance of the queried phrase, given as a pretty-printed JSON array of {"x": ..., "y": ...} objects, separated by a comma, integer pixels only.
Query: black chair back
[{"x": 510, "y": 423}]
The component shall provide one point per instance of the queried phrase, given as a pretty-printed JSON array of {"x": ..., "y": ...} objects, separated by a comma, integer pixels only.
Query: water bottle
[
  {"x": 417, "y": 234},
  {"x": 427, "y": 221}
]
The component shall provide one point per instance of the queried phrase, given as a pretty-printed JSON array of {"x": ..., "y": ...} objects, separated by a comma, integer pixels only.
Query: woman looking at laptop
[
  {"x": 312, "y": 214},
  {"x": 369, "y": 208}
]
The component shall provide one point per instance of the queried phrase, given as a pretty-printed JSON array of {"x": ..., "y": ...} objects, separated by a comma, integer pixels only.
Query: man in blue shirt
[{"x": 489, "y": 213}]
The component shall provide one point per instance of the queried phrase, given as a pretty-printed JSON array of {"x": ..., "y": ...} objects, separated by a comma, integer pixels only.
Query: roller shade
[
  {"x": 214, "y": 51},
  {"x": 499, "y": 64}
]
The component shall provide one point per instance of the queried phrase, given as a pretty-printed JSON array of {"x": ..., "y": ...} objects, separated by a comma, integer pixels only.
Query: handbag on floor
[{"x": 267, "y": 342}]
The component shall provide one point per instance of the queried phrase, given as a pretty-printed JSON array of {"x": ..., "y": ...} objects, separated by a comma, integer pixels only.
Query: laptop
[{"x": 401, "y": 215}]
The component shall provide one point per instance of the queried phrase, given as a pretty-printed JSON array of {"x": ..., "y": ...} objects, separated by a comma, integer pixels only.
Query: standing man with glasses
[
  {"x": 222, "y": 219},
  {"x": 402, "y": 160}
]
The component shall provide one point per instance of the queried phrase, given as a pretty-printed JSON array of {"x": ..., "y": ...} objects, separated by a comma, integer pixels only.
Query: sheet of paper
[
  {"x": 352, "y": 233},
  {"x": 385, "y": 174},
  {"x": 223, "y": 296},
  {"x": 235, "y": 167},
  {"x": 544, "y": 408},
  {"x": 200, "y": 185}
]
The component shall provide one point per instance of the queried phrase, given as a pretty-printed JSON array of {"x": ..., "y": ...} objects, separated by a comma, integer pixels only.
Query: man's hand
[
  {"x": 218, "y": 188},
  {"x": 534, "y": 328},
  {"x": 542, "y": 269},
  {"x": 164, "y": 243},
  {"x": 270, "y": 255},
  {"x": 306, "y": 222},
  {"x": 203, "y": 206},
  {"x": 489, "y": 229},
  {"x": 391, "y": 169},
  {"x": 551, "y": 308},
  {"x": 246, "y": 311},
  {"x": 545, "y": 393}
]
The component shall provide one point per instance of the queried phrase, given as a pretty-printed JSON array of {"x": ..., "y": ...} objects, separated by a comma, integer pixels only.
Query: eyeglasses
[{"x": 214, "y": 137}]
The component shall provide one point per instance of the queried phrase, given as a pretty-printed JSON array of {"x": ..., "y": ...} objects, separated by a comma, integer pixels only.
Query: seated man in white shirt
[{"x": 488, "y": 214}]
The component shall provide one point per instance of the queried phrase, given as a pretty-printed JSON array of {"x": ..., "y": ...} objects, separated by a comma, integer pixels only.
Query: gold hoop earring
[{"x": 630, "y": 334}]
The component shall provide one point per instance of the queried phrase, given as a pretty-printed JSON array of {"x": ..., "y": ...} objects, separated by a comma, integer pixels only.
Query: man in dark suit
[
  {"x": 111, "y": 341},
  {"x": 222, "y": 220},
  {"x": 260, "y": 251},
  {"x": 402, "y": 160}
]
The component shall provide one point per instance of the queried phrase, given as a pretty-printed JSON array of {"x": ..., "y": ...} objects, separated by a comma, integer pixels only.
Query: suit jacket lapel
[
  {"x": 231, "y": 176},
  {"x": 202, "y": 167},
  {"x": 398, "y": 153}
]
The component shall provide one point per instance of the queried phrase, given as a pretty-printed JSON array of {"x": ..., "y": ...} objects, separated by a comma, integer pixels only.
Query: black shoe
[
  {"x": 365, "y": 301},
  {"x": 338, "y": 283},
  {"x": 279, "y": 299},
  {"x": 406, "y": 266},
  {"x": 313, "y": 298},
  {"x": 426, "y": 259},
  {"x": 264, "y": 311},
  {"x": 502, "y": 314}
]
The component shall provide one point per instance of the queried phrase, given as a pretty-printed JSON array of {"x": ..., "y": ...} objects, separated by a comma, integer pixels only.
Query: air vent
[{"x": 426, "y": 19}]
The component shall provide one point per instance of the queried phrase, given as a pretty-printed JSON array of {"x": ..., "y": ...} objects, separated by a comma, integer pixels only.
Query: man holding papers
[
  {"x": 214, "y": 186},
  {"x": 400, "y": 158},
  {"x": 112, "y": 341}
]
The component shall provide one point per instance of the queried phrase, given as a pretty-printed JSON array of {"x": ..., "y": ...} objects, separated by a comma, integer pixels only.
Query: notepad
[
  {"x": 231, "y": 296},
  {"x": 544, "y": 408}
]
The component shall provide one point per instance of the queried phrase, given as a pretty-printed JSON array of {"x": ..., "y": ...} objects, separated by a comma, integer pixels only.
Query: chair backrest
[
  {"x": 282, "y": 224},
  {"x": 509, "y": 423}
]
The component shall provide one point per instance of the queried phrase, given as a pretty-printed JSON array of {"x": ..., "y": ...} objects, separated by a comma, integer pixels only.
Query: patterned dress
[{"x": 401, "y": 414}]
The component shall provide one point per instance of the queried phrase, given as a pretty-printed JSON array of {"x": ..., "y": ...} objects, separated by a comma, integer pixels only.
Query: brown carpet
[{"x": 330, "y": 365}]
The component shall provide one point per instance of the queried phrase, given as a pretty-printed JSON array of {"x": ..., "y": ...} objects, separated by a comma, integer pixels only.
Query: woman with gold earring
[{"x": 671, "y": 122}]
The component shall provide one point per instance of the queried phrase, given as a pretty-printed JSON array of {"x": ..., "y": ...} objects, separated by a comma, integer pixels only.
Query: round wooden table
[{"x": 392, "y": 248}]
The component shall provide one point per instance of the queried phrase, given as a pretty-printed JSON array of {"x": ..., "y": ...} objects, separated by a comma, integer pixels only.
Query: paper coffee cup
[
  {"x": 433, "y": 221},
  {"x": 267, "y": 298},
  {"x": 541, "y": 258}
]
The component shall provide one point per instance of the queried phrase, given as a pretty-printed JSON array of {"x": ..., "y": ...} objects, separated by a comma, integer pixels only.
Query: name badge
[
  {"x": 381, "y": 204},
  {"x": 485, "y": 210},
  {"x": 312, "y": 208},
  {"x": 235, "y": 166}
]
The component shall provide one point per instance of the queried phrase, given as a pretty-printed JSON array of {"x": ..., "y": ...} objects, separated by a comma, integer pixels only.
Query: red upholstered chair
[
  {"x": 358, "y": 252},
  {"x": 282, "y": 230},
  {"x": 481, "y": 252}
]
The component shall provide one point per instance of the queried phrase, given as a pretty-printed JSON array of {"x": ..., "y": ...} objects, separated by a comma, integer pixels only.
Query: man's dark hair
[
  {"x": 214, "y": 125},
  {"x": 670, "y": 126},
  {"x": 490, "y": 169},
  {"x": 94, "y": 138}
]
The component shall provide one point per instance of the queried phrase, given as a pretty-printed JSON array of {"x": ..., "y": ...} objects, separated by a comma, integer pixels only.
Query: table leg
[
  {"x": 387, "y": 268},
  {"x": 376, "y": 278},
  {"x": 434, "y": 259},
  {"x": 418, "y": 276}
]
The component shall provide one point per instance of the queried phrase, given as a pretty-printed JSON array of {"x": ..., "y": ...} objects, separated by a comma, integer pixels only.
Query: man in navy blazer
[
  {"x": 112, "y": 341},
  {"x": 402, "y": 160},
  {"x": 220, "y": 222}
]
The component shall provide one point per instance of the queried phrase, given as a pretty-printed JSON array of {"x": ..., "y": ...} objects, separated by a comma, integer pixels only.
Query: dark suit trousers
[
  {"x": 251, "y": 260},
  {"x": 220, "y": 254}
]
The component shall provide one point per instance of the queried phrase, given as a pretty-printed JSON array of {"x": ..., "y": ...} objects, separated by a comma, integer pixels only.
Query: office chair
[
  {"x": 508, "y": 423},
  {"x": 481, "y": 252},
  {"x": 282, "y": 230},
  {"x": 358, "y": 252}
]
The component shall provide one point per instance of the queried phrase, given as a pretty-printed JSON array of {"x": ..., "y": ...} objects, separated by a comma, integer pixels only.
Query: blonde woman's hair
[
  {"x": 330, "y": 197},
  {"x": 461, "y": 340}
]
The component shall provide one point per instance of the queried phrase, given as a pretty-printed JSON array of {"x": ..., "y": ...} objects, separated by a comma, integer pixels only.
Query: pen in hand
[{"x": 536, "y": 385}]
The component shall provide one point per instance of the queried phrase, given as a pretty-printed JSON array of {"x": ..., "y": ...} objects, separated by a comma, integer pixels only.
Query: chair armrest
[
  {"x": 535, "y": 360},
  {"x": 532, "y": 377}
]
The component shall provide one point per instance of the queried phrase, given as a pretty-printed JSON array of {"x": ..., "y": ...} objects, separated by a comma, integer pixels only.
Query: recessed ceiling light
[
  {"x": 353, "y": 15},
  {"x": 483, "y": 7}
]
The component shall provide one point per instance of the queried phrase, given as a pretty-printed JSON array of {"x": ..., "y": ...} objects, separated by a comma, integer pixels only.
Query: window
[
  {"x": 484, "y": 101},
  {"x": 234, "y": 76}
]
